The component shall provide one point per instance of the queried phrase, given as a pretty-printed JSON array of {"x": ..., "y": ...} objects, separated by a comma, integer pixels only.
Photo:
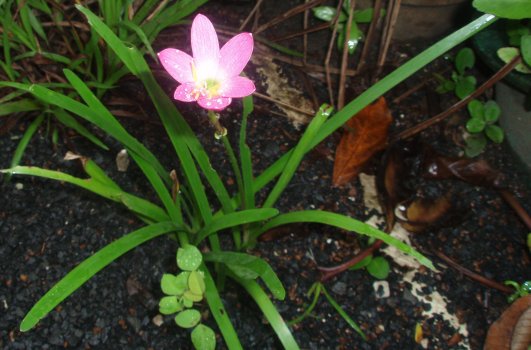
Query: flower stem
[{"x": 221, "y": 133}]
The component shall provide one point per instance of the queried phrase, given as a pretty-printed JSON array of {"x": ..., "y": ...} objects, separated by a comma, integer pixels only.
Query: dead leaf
[
  {"x": 502, "y": 332},
  {"x": 421, "y": 213},
  {"x": 475, "y": 172},
  {"x": 366, "y": 134}
]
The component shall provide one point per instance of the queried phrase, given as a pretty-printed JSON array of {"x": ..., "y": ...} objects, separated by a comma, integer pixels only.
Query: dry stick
[
  {"x": 311, "y": 67},
  {"x": 517, "y": 207},
  {"x": 255, "y": 8},
  {"x": 474, "y": 276},
  {"x": 344, "y": 59},
  {"x": 256, "y": 19},
  {"x": 370, "y": 34},
  {"x": 294, "y": 11},
  {"x": 388, "y": 34},
  {"x": 304, "y": 32},
  {"x": 441, "y": 116},
  {"x": 331, "y": 46},
  {"x": 330, "y": 272},
  {"x": 305, "y": 37},
  {"x": 267, "y": 98}
]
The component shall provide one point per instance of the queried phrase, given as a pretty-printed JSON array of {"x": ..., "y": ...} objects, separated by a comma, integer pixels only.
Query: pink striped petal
[
  {"x": 237, "y": 87},
  {"x": 178, "y": 64},
  {"x": 235, "y": 54},
  {"x": 205, "y": 47},
  {"x": 215, "y": 104},
  {"x": 185, "y": 92}
]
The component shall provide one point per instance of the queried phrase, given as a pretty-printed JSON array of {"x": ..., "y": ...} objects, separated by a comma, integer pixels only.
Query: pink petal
[
  {"x": 205, "y": 47},
  {"x": 235, "y": 54},
  {"x": 237, "y": 87},
  {"x": 178, "y": 64},
  {"x": 185, "y": 92},
  {"x": 215, "y": 104}
]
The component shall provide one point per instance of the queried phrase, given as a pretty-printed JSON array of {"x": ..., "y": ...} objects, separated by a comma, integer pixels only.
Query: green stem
[{"x": 221, "y": 133}]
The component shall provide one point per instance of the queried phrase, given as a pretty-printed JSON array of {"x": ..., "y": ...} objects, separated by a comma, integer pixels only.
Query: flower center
[{"x": 208, "y": 87}]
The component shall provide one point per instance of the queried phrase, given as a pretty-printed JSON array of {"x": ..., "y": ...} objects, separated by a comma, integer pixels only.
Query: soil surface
[{"x": 47, "y": 227}]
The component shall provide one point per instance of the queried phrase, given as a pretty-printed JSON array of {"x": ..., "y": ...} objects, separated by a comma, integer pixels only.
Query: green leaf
[
  {"x": 345, "y": 223},
  {"x": 24, "y": 105},
  {"x": 365, "y": 15},
  {"x": 196, "y": 283},
  {"x": 218, "y": 311},
  {"x": 247, "y": 266},
  {"x": 88, "y": 268},
  {"x": 475, "y": 125},
  {"x": 325, "y": 13},
  {"x": 513, "y": 9},
  {"x": 174, "y": 285},
  {"x": 270, "y": 312},
  {"x": 464, "y": 60},
  {"x": 187, "y": 303},
  {"x": 189, "y": 258},
  {"x": 476, "y": 109},
  {"x": 169, "y": 305},
  {"x": 234, "y": 219},
  {"x": 379, "y": 268},
  {"x": 363, "y": 263},
  {"x": 188, "y": 318},
  {"x": 492, "y": 112},
  {"x": 525, "y": 47},
  {"x": 24, "y": 141},
  {"x": 495, "y": 133},
  {"x": 203, "y": 338},
  {"x": 507, "y": 54},
  {"x": 343, "y": 314},
  {"x": 475, "y": 145},
  {"x": 192, "y": 296},
  {"x": 465, "y": 86}
]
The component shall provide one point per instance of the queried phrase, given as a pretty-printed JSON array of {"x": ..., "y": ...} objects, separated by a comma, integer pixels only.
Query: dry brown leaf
[
  {"x": 366, "y": 134},
  {"x": 502, "y": 332},
  {"x": 423, "y": 212}
]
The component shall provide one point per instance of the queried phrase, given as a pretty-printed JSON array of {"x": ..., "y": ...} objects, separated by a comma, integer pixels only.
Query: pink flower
[{"x": 212, "y": 76}]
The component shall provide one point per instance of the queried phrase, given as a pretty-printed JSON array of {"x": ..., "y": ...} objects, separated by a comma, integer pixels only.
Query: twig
[
  {"x": 255, "y": 8},
  {"x": 441, "y": 116},
  {"x": 394, "y": 6},
  {"x": 515, "y": 204},
  {"x": 294, "y": 11},
  {"x": 474, "y": 276},
  {"x": 370, "y": 34},
  {"x": 304, "y": 32},
  {"x": 305, "y": 36},
  {"x": 331, "y": 46},
  {"x": 267, "y": 98},
  {"x": 344, "y": 58},
  {"x": 330, "y": 272},
  {"x": 417, "y": 87}
]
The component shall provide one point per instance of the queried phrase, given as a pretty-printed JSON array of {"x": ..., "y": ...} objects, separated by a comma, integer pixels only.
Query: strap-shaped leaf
[
  {"x": 345, "y": 223},
  {"x": 247, "y": 266},
  {"x": 234, "y": 219},
  {"x": 88, "y": 268}
]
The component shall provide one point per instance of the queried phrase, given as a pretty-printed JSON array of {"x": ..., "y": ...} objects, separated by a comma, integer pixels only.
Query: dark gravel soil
[{"x": 46, "y": 228}]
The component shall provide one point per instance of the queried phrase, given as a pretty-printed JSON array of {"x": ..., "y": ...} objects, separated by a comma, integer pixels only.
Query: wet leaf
[
  {"x": 507, "y": 331},
  {"x": 423, "y": 212},
  {"x": 196, "y": 283},
  {"x": 506, "y": 54},
  {"x": 475, "y": 172},
  {"x": 188, "y": 318},
  {"x": 475, "y": 125},
  {"x": 189, "y": 258},
  {"x": 475, "y": 144},
  {"x": 492, "y": 111},
  {"x": 367, "y": 134},
  {"x": 203, "y": 338},
  {"x": 169, "y": 305},
  {"x": 476, "y": 109},
  {"x": 174, "y": 285}
]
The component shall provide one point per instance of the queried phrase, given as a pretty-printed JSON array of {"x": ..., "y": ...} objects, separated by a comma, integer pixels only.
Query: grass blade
[
  {"x": 21, "y": 147},
  {"x": 234, "y": 219},
  {"x": 88, "y": 268},
  {"x": 345, "y": 223},
  {"x": 245, "y": 156},
  {"x": 70, "y": 122},
  {"x": 270, "y": 312},
  {"x": 218, "y": 311},
  {"x": 24, "y": 105}
]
